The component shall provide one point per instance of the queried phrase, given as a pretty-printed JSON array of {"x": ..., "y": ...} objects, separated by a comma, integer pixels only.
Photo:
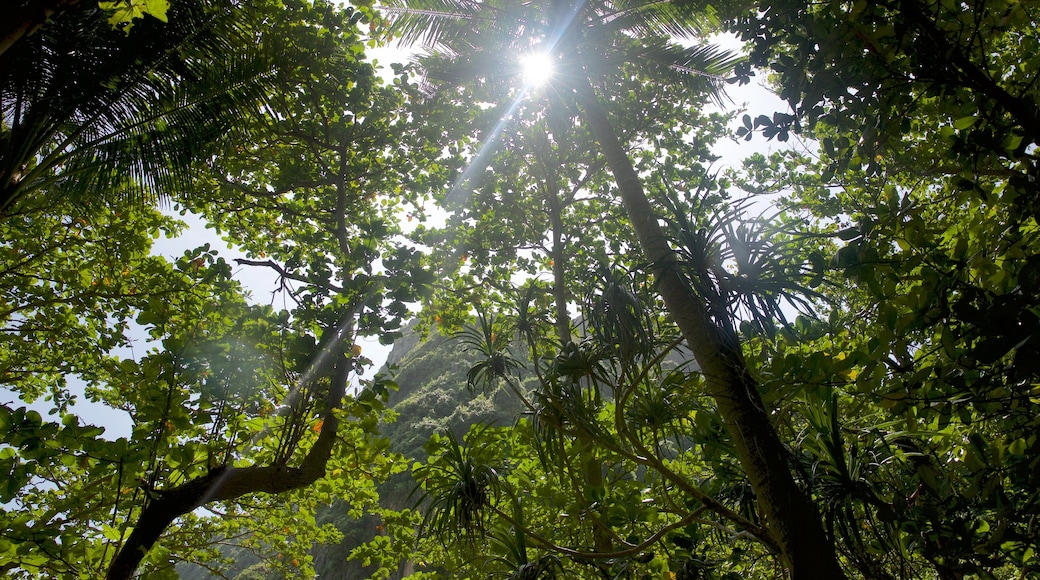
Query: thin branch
[{"x": 282, "y": 272}]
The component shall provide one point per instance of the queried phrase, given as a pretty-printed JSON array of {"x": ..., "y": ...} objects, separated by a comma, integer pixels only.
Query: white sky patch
[{"x": 260, "y": 282}]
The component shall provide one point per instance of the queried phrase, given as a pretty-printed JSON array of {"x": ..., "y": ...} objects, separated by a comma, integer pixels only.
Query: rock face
[
  {"x": 432, "y": 397},
  {"x": 404, "y": 345}
]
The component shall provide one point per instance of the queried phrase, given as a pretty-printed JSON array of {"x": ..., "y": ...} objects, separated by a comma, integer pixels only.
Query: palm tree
[
  {"x": 25, "y": 17},
  {"x": 91, "y": 112},
  {"x": 586, "y": 40}
]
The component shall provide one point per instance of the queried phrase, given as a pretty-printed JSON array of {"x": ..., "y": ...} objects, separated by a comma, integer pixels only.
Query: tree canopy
[{"x": 818, "y": 362}]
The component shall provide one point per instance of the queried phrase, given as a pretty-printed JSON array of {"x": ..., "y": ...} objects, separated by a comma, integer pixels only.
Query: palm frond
[
  {"x": 700, "y": 68},
  {"x": 459, "y": 488},
  {"x": 489, "y": 339},
  {"x": 617, "y": 315},
  {"x": 153, "y": 148},
  {"x": 468, "y": 40},
  {"x": 432, "y": 23},
  {"x": 93, "y": 109},
  {"x": 748, "y": 268},
  {"x": 686, "y": 19}
]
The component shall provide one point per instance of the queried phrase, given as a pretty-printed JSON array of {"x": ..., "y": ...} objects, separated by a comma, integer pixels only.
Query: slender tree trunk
[
  {"x": 228, "y": 483},
  {"x": 790, "y": 517},
  {"x": 549, "y": 187},
  {"x": 558, "y": 253},
  {"x": 591, "y": 465}
]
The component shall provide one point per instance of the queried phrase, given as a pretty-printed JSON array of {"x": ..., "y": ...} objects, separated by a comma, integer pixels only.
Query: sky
[{"x": 262, "y": 282}]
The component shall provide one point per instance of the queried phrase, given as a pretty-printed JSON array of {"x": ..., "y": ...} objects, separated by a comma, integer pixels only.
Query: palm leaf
[
  {"x": 706, "y": 61},
  {"x": 433, "y": 23},
  {"x": 490, "y": 341},
  {"x": 460, "y": 489},
  {"x": 153, "y": 148},
  {"x": 92, "y": 110},
  {"x": 686, "y": 19},
  {"x": 700, "y": 69},
  {"x": 468, "y": 40},
  {"x": 748, "y": 268},
  {"x": 618, "y": 317}
]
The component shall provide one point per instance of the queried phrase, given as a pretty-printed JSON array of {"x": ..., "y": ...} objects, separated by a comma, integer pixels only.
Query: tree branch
[
  {"x": 229, "y": 483},
  {"x": 632, "y": 550},
  {"x": 285, "y": 273},
  {"x": 1024, "y": 111}
]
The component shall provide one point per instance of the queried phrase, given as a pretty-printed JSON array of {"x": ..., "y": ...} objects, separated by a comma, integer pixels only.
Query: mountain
[{"x": 432, "y": 397}]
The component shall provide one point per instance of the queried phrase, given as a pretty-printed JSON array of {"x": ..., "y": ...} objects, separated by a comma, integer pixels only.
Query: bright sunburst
[{"x": 537, "y": 68}]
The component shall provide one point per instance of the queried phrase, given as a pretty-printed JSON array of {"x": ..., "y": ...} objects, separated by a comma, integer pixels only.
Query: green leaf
[{"x": 965, "y": 123}]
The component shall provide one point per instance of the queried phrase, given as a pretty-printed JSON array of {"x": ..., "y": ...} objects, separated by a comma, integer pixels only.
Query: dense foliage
[
  {"x": 819, "y": 363},
  {"x": 219, "y": 402}
]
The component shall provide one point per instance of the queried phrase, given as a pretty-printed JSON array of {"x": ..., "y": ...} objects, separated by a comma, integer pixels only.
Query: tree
[
  {"x": 899, "y": 70},
  {"x": 30, "y": 15},
  {"x": 242, "y": 409},
  {"x": 934, "y": 204},
  {"x": 77, "y": 493},
  {"x": 928, "y": 332},
  {"x": 85, "y": 106},
  {"x": 534, "y": 207},
  {"x": 586, "y": 39},
  {"x": 902, "y": 400}
]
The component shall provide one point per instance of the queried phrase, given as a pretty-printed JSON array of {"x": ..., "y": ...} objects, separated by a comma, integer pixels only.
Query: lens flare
[{"x": 537, "y": 68}]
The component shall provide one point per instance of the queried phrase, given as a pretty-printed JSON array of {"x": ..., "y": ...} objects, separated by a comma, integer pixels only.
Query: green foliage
[
  {"x": 903, "y": 389},
  {"x": 461, "y": 488},
  {"x": 491, "y": 343},
  {"x": 952, "y": 86},
  {"x": 202, "y": 395},
  {"x": 929, "y": 326},
  {"x": 124, "y": 12},
  {"x": 207, "y": 386},
  {"x": 95, "y": 114},
  {"x": 540, "y": 509}
]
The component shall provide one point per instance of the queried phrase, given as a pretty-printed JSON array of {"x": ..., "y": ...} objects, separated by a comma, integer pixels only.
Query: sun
[{"x": 537, "y": 68}]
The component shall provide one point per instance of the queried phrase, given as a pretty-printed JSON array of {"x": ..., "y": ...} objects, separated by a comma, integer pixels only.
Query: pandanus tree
[
  {"x": 585, "y": 40},
  {"x": 541, "y": 207}
]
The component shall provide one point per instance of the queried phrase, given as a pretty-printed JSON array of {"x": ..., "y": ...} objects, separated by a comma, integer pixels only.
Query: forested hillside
[
  {"x": 431, "y": 397},
  {"x": 818, "y": 362}
]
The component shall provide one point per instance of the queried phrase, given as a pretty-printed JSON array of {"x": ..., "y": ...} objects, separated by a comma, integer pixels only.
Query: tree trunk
[
  {"x": 558, "y": 251},
  {"x": 591, "y": 466},
  {"x": 228, "y": 483},
  {"x": 26, "y": 20},
  {"x": 788, "y": 514}
]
